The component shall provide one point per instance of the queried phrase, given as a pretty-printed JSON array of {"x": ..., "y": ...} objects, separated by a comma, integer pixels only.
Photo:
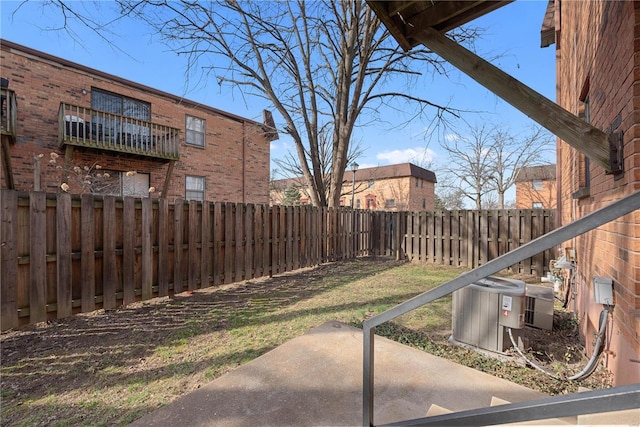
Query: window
[
  {"x": 536, "y": 184},
  {"x": 135, "y": 184},
  {"x": 424, "y": 203},
  {"x": 194, "y": 188},
  {"x": 371, "y": 202},
  {"x": 112, "y": 128},
  {"x": 195, "y": 131},
  {"x": 537, "y": 205},
  {"x": 120, "y": 105},
  {"x": 115, "y": 183},
  {"x": 371, "y": 183},
  {"x": 357, "y": 203},
  {"x": 584, "y": 165},
  {"x": 417, "y": 182},
  {"x": 389, "y": 203}
]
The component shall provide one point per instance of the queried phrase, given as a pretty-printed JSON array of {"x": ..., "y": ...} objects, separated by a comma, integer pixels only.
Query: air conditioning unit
[
  {"x": 483, "y": 310},
  {"x": 538, "y": 311}
]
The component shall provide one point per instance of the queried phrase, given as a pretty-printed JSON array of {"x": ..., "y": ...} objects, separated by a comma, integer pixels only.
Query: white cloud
[
  {"x": 413, "y": 155},
  {"x": 452, "y": 137},
  {"x": 281, "y": 145}
]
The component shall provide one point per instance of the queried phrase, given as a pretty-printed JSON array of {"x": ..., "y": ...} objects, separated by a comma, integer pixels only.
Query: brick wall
[
  {"x": 526, "y": 195},
  {"x": 234, "y": 161},
  {"x": 403, "y": 190},
  {"x": 598, "y": 60}
]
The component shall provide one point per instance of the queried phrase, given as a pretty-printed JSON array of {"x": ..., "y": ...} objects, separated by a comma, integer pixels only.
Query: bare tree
[
  {"x": 290, "y": 167},
  {"x": 449, "y": 198},
  {"x": 320, "y": 64},
  {"x": 484, "y": 163},
  {"x": 470, "y": 166},
  {"x": 512, "y": 152}
]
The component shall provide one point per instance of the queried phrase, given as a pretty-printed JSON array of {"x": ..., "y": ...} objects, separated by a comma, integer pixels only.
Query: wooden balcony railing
[
  {"x": 85, "y": 127},
  {"x": 9, "y": 113}
]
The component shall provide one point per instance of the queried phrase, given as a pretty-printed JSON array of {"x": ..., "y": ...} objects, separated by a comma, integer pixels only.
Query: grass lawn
[{"x": 110, "y": 368}]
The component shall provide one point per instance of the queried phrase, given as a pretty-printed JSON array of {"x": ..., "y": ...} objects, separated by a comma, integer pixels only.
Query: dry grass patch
[{"x": 110, "y": 368}]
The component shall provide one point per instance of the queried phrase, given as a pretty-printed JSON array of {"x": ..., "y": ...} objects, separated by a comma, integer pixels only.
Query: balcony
[
  {"x": 9, "y": 113},
  {"x": 84, "y": 127}
]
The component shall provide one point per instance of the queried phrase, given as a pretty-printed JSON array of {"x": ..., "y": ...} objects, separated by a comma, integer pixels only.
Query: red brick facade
[
  {"x": 234, "y": 160},
  {"x": 598, "y": 76},
  {"x": 536, "y": 187},
  {"x": 400, "y": 187}
]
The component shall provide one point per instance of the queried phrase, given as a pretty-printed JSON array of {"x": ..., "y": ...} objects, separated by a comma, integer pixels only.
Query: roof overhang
[
  {"x": 404, "y": 18},
  {"x": 426, "y": 22}
]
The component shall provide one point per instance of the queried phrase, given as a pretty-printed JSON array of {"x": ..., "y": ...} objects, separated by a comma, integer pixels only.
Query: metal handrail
[
  {"x": 589, "y": 222},
  {"x": 589, "y": 402}
]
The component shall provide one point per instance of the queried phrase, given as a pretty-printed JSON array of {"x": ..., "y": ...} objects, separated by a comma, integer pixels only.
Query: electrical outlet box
[{"x": 603, "y": 290}]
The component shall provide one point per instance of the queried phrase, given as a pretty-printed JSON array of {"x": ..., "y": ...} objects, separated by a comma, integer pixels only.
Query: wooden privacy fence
[
  {"x": 469, "y": 238},
  {"x": 63, "y": 254}
]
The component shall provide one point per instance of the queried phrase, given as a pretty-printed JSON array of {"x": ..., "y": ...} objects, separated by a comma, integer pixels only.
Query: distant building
[
  {"x": 401, "y": 187},
  {"x": 536, "y": 187}
]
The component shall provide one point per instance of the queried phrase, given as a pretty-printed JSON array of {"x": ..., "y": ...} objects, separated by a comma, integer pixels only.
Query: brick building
[
  {"x": 401, "y": 187},
  {"x": 113, "y": 136},
  {"x": 598, "y": 79},
  {"x": 536, "y": 187}
]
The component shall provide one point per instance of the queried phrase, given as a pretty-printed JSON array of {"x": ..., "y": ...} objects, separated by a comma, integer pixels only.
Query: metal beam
[{"x": 574, "y": 131}]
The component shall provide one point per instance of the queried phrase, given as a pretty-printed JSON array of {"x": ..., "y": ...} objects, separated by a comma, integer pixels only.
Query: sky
[{"x": 511, "y": 33}]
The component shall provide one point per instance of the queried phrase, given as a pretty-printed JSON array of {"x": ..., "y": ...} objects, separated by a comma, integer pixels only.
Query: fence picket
[
  {"x": 9, "y": 259},
  {"x": 218, "y": 236},
  {"x": 526, "y": 236},
  {"x": 275, "y": 255},
  {"x": 37, "y": 258},
  {"x": 455, "y": 238},
  {"x": 163, "y": 247},
  {"x": 147, "y": 250},
  {"x": 63, "y": 256},
  {"x": 128, "y": 250},
  {"x": 193, "y": 225},
  {"x": 205, "y": 244},
  {"x": 109, "y": 265},
  {"x": 249, "y": 239},
  {"x": 178, "y": 213},
  {"x": 266, "y": 243},
  {"x": 296, "y": 238},
  {"x": 228, "y": 242},
  {"x": 239, "y": 242},
  {"x": 87, "y": 256}
]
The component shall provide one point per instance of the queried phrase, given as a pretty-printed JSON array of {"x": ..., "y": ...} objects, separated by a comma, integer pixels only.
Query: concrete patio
[{"x": 316, "y": 380}]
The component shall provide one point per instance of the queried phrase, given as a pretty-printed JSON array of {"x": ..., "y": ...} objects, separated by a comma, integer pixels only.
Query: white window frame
[
  {"x": 195, "y": 193},
  {"x": 194, "y": 135},
  {"x": 122, "y": 184}
]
